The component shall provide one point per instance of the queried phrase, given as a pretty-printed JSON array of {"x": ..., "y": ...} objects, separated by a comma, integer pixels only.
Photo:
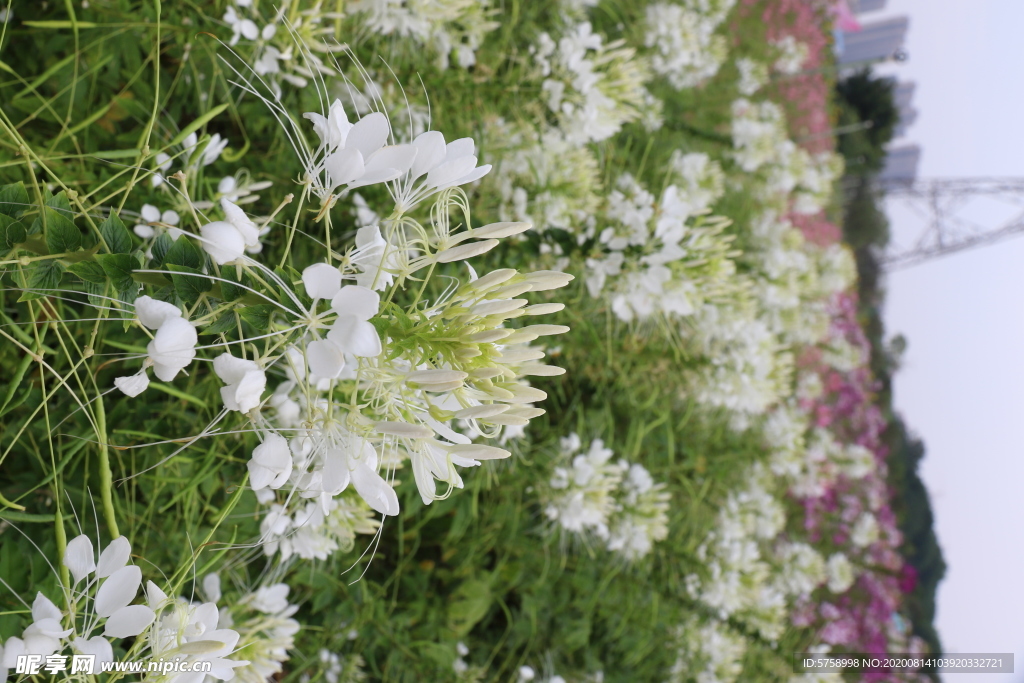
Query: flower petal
[
  {"x": 129, "y": 621},
  {"x": 43, "y": 608},
  {"x": 431, "y": 152},
  {"x": 97, "y": 646},
  {"x": 398, "y": 157},
  {"x": 368, "y": 134},
  {"x": 118, "y": 590},
  {"x": 360, "y": 302},
  {"x": 232, "y": 369},
  {"x": 355, "y": 336},
  {"x": 222, "y": 241},
  {"x": 322, "y": 281},
  {"x": 132, "y": 385},
  {"x": 79, "y": 557},
  {"x": 152, "y": 313},
  {"x": 377, "y": 493},
  {"x": 344, "y": 166},
  {"x": 325, "y": 359},
  {"x": 113, "y": 557}
]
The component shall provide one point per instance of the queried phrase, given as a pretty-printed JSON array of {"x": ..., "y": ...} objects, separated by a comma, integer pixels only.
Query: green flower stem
[{"x": 106, "y": 476}]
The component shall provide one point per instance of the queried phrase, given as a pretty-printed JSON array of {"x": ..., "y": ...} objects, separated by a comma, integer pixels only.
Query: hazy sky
[{"x": 962, "y": 385}]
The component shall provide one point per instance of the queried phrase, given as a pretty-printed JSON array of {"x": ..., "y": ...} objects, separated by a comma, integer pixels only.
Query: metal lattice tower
[{"x": 942, "y": 207}]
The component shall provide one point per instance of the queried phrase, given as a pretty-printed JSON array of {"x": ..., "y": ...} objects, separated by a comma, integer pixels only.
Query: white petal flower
[
  {"x": 211, "y": 587},
  {"x": 241, "y": 222},
  {"x": 152, "y": 313},
  {"x": 129, "y": 621},
  {"x": 43, "y": 608},
  {"x": 173, "y": 348},
  {"x": 118, "y": 590},
  {"x": 114, "y": 557},
  {"x": 222, "y": 241},
  {"x": 97, "y": 646},
  {"x": 322, "y": 281},
  {"x": 245, "y": 382},
  {"x": 79, "y": 557},
  {"x": 377, "y": 493},
  {"x": 271, "y": 463},
  {"x": 355, "y": 336},
  {"x": 325, "y": 358},
  {"x": 356, "y": 301}
]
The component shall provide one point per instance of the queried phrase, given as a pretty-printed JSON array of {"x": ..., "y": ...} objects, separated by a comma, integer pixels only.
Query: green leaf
[
  {"x": 117, "y": 237},
  {"x": 89, "y": 271},
  {"x": 223, "y": 324},
  {"x": 13, "y": 199},
  {"x": 470, "y": 603},
  {"x": 96, "y": 292},
  {"x": 62, "y": 235},
  {"x": 160, "y": 248},
  {"x": 228, "y": 287},
  {"x": 189, "y": 283},
  {"x": 118, "y": 268},
  {"x": 43, "y": 276},
  {"x": 197, "y": 124},
  {"x": 184, "y": 253},
  {"x": 12, "y": 232},
  {"x": 258, "y": 316}
]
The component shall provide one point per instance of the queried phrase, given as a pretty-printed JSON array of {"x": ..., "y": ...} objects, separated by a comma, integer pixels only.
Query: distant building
[
  {"x": 903, "y": 97},
  {"x": 862, "y": 6},
  {"x": 901, "y": 163},
  {"x": 876, "y": 41}
]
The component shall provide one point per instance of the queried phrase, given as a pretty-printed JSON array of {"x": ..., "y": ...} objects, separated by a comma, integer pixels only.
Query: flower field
[{"x": 434, "y": 340}]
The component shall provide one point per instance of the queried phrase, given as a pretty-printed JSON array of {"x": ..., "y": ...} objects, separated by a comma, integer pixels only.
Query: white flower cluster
[
  {"x": 740, "y": 582},
  {"x": 661, "y": 258},
  {"x": 593, "y": 88},
  {"x": 748, "y": 369},
  {"x": 317, "y": 530},
  {"x": 792, "y": 55},
  {"x": 753, "y": 75},
  {"x": 757, "y": 129},
  {"x": 542, "y": 177},
  {"x": 266, "y": 631},
  {"x": 453, "y": 28},
  {"x": 108, "y": 585},
  {"x": 709, "y": 652},
  {"x": 289, "y": 44},
  {"x": 824, "y": 460},
  {"x": 682, "y": 40},
  {"x": 617, "y": 502}
]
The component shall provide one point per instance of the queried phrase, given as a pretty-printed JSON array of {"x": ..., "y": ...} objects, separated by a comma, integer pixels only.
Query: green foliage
[{"x": 867, "y": 107}]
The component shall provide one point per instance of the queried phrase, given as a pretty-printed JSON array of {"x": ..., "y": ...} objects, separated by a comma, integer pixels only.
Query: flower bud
[
  {"x": 543, "y": 280},
  {"x": 499, "y": 230},
  {"x": 465, "y": 251},
  {"x": 404, "y": 429}
]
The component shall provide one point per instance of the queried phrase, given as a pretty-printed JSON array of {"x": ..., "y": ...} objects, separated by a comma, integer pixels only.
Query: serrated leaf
[
  {"x": 89, "y": 271},
  {"x": 62, "y": 235},
  {"x": 183, "y": 253},
  {"x": 118, "y": 268},
  {"x": 223, "y": 324},
  {"x": 13, "y": 199},
  {"x": 258, "y": 316},
  {"x": 43, "y": 277},
  {"x": 229, "y": 287},
  {"x": 189, "y": 283},
  {"x": 469, "y": 604},
  {"x": 96, "y": 292},
  {"x": 160, "y": 248},
  {"x": 12, "y": 232},
  {"x": 117, "y": 237}
]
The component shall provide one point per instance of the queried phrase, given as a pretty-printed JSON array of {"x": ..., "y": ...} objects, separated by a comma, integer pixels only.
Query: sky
[{"x": 961, "y": 385}]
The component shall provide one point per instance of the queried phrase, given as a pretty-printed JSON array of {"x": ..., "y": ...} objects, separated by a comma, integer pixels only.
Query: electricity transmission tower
[{"x": 944, "y": 207}]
